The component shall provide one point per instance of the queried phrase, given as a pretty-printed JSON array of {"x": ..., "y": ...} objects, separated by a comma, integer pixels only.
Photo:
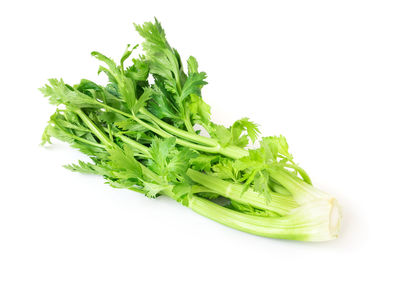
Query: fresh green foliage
[
  {"x": 238, "y": 134},
  {"x": 141, "y": 132}
]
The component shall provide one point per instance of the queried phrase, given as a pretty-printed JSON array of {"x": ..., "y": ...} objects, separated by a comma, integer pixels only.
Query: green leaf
[
  {"x": 165, "y": 64},
  {"x": 159, "y": 151},
  {"x": 249, "y": 162},
  {"x": 60, "y": 93},
  {"x": 199, "y": 110},
  {"x": 163, "y": 60},
  {"x": 89, "y": 168},
  {"x": 54, "y": 131},
  {"x": 193, "y": 66},
  {"x": 139, "y": 71},
  {"x": 225, "y": 169},
  {"x": 261, "y": 185},
  {"x": 126, "y": 54},
  {"x": 161, "y": 104},
  {"x": 113, "y": 68},
  {"x": 179, "y": 162},
  {"x": 203, "y": 162},
  {"x": 222, "y": 134},
  {"x": 242, "y": 125},
  {"x": 141, "y": 102},
  {"x": 152, "y": 190},
  {"x": 160, "y": 148},
  {"x": 123, "y": 159},
  {"x": 126, "y": 86},
  {"x": 46, "y": 136},
  {"x": 91, "y": 151},
  {"x": 193, "y": 85},
  {"x": 130, "y": 125},
  {"x": 87, "y": 85},
  {"x": 109, "y": 117},
  {"x": 153, "y": 33},
  {"x": 276, "y": 145}
]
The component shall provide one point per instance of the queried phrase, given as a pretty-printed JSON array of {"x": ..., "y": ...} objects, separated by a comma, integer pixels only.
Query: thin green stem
[
  {"x": 202, "y": 148},
  {"x": 134, "y": 144},
  {"x": 301, "y": 171},
  {"x": 109, "y": 132},
  {"x": 233, "y": 152},
  {"x": 96, "y": 131},
  {"x": 78, "y": 138},
  {"x": 188, "y": 123},
  {"x": 156, "y": 130},
  {"x": 179, "y": 132},
  {"x": 179, "y": 141}
]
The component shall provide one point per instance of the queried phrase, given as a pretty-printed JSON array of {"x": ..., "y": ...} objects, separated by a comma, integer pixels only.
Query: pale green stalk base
[
  {"x": 300, "y": 190},
  {"x": 318, "y": 220}
]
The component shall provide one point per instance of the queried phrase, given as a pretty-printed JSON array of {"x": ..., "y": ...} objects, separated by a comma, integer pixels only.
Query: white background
[{"x": 323, "y": 73}]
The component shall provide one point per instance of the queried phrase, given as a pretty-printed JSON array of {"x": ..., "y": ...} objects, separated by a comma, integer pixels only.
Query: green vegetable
[{"x": 142, "y": 132}]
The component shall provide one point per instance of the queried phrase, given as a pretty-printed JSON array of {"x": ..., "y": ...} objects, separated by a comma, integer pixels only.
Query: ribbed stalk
[
  {"x": 179, "y": 132},
  {"x": 280, "y": 204},
  {"x": 134, "y": 144},
  {"x": 300, "y": 190},
  {"x": 315, "y": 221},
  {"x": 93, "y": 127}
]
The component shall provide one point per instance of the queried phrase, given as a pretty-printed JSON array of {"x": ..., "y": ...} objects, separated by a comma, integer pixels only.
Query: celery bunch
[{"x": 142, "y": 132}]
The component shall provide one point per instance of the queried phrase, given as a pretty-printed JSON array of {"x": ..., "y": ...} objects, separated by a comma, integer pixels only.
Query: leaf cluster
[{"x": 138, "y": 129}]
